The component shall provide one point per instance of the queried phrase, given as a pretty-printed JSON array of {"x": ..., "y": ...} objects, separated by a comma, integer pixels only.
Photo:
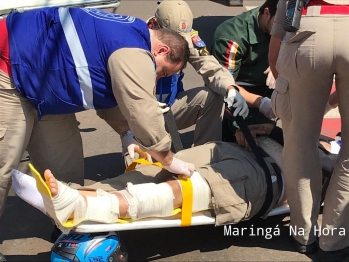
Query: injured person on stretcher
[{"x": 228, "y": 179}]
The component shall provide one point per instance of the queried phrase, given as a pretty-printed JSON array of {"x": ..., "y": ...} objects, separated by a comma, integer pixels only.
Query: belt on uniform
[
  {"x": 327, "y": 9},
  {"x": 277, "y": 184}
]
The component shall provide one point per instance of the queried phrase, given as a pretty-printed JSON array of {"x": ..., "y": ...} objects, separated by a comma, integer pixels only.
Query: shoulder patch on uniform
[
  {"x": 183, "y": 26},
  {"x": 195, "y": 38}
]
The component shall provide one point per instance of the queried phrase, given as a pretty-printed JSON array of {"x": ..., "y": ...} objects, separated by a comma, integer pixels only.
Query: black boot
[
  {"x": 304, "y": 249},
  {"x": 55, "y": 234},
  {"x": 2, "y": 258},
  {"x": 341, "y": 255}
]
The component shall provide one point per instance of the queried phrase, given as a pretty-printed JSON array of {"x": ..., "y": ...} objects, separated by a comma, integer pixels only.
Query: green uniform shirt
[{"x": 241, "y": 47}]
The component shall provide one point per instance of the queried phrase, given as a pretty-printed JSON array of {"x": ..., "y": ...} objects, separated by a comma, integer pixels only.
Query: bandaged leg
[
  {"x": 156, "y": 200},
  {"x": 201, "y": 193},
  {"x": 148, "y": 200},
  {"x": 103, "y": 208},
  {"x": 66, "y": 201}
]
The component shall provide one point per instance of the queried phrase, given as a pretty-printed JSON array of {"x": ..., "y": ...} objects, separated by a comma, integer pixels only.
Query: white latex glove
[
  {"x": 130, "y": 146},
  {"x": 163, "y": 107},
  {"x": 335, "y": 147},
  {"x": 265, "y": 108},
  {"x": 180, "y": 168},
  {"x": 234, "y": 99},
  {"x": 270, "y": 79}
]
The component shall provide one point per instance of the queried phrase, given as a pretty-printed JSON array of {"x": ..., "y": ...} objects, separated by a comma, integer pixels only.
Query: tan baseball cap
[{"x": 176, "y": 15}]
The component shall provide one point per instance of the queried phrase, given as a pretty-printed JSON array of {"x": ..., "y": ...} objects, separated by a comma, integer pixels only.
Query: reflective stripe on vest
[{"x": 78, "y": 56}]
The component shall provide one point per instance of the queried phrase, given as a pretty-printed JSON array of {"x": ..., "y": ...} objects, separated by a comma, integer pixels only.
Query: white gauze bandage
[
  {"x": 201, "y": 193},
  {"x": 148, "y": 200},
  {"x": 102, "y": 208},
  {"x": 156, "y": 200},
  {"x": 67, "y": 201}
]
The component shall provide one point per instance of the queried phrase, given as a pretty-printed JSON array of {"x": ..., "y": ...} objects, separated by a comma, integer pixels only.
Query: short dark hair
[
  {"x": 179, "y": 49},
  {"x": 271, "y": 5}
]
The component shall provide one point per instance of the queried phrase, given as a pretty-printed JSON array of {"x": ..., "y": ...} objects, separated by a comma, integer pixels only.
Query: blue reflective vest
[
  {"x": 167, "y": 88},
  {"x": 59, "y": 56}
]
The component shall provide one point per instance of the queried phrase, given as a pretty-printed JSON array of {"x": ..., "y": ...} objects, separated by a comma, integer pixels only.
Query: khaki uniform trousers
[
  {"x": 308, "y": 61},
  {"x": 236, "y": 180},
  {"x": 203, "y": 108},
  {"x": 198, "y": 106},
  {"x": 53, "y": 143}
]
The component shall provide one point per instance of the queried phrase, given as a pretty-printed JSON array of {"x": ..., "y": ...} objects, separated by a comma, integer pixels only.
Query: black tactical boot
[
  {"x": 304, "y": 249},
  {"x": 55, "y": 234},
  {"x": 341, "y": 255}
]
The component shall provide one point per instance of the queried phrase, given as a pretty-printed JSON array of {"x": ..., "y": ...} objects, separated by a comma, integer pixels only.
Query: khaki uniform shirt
[
  {"x": 278, "y": 26},
  {"x": 215, "y": 76},
  {"x": 133, "y": 80},
  {"x": 134, "y": 87}
]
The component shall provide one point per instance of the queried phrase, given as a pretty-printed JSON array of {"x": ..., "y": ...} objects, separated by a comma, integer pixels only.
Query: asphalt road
[{"x": 25, "y": 232}]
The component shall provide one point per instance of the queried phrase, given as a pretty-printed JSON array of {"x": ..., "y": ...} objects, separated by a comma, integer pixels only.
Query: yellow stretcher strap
[
  {"x": 187, "y": 200},
  {"x": 141, "y": 161}
]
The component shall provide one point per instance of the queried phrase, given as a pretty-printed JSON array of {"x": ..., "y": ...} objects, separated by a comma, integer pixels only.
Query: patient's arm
[{"x": 326, "y": 145}]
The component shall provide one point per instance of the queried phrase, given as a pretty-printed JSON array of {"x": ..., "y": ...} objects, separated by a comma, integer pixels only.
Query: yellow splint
[
  {"x": 43, "y": 189},
  {"x": 40, "y": 183}
]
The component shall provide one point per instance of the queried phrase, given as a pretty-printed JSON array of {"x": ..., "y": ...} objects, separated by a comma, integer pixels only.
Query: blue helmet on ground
[{"x": 91, "y": 247}]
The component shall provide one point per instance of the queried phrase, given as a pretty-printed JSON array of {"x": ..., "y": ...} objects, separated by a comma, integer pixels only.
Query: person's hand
[
  {"x": 234, "y": 99},
  {"x": 163, "y": 107},
  {"x": 130, "y": 146},
  {"x": 265, "y": 108},
  {"x": 256, "y": 130},
  {"x": 270, "y": 78},
  {"x": 180, "y": 167}
]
